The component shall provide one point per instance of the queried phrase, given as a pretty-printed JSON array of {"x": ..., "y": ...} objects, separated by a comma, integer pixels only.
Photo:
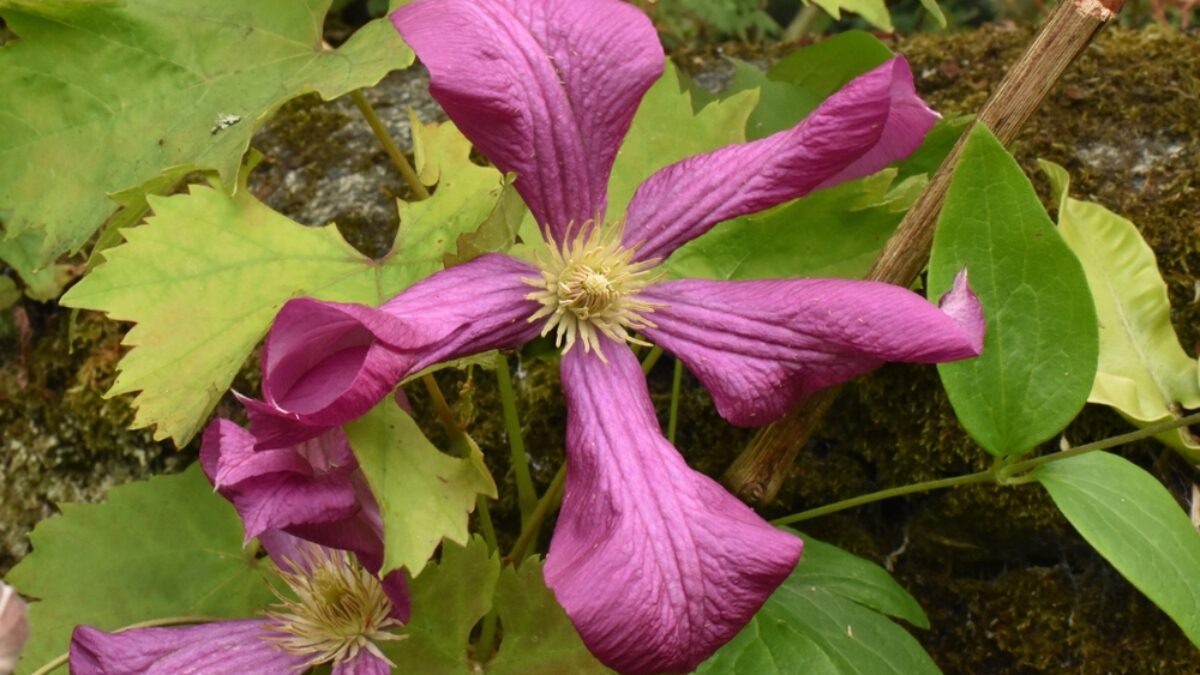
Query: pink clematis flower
[
  {"x": 656, "y": 564},
  {"x": 337, "y": 615}
]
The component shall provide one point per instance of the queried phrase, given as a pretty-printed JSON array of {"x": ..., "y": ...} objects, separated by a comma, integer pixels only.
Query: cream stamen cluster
[
  {"x": 340, "y": 608},
  {"x": 589, "y": 288}
]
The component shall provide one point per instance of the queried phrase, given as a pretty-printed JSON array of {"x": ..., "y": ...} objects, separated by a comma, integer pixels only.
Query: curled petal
[
  {"x": 328, "y": 363},
  {"x": 761, "y": 346},
  {"x": 874, "y": 120},
  {"x": 281, "y": 491},
  {"x": 545, "y": 88},
  {"x": 656, "y": 564},
  {"x": 219, "y": 648}
]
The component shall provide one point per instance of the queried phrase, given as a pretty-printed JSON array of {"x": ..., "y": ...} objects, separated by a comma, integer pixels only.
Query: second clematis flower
[{"x": 656, "y": 564}]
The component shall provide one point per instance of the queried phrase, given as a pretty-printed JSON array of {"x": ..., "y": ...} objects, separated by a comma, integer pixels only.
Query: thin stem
[
  {"x": 445, "y": 414},
  {"x": 1015, "y": 473},
  {"x": 486, "y": 526},
  {"x": 526, "y": 493},
  {"x": 673, "y": 416},
  {"x": 651, "y": 359},
  {"x": 545, "y": 505},
  {"x": 61, "y": 659},
  {"x": 389, "y": 146}
]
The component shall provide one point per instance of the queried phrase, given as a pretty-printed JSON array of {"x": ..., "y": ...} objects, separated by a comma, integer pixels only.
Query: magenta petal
[
  {"x": 761, "y": 346},
  {"x": 328, "y": 363},
  {"x": 656, "y": 564},
  {"x": 874, "y": 120},
  {"x": 545, "y": 88},
  {"x": 220, "y": 648},
  {"x": 363, "y": 663}
]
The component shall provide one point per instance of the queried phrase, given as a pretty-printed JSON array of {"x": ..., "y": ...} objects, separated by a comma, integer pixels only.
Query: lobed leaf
[
  {"x": 1143, "y": 371},
  {"x": 164, "y": 84},
  {"x": 167, "y": 547},
  {"x": 1039, "y": 354},
  {"x": 424, "y": 495},
  {"x": 1131, "y": 520}
]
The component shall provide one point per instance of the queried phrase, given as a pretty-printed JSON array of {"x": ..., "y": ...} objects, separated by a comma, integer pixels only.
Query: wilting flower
[
  {"x": 656, "y": 564},
  {"x": 311, "y": 489},
  {"x": 338, "y": 615},
  {"x": 14, "y": 627}
]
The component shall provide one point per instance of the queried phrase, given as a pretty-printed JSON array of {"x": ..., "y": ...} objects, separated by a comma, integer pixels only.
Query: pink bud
[{"x": 14, "y": 627}]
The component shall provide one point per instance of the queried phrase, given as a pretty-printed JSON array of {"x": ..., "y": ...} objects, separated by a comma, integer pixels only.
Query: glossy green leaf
[
  {"x": 424, "y": 495},
  {"x": 451, "y": 597},
  {"x": 1039, "y": 355},
  {"x": 836, "y": 232},
  {"x": 105, "y": 96},
  {"x": 167, "y": 547},
  {"x": 825, "y": 618},
  {"x": 204, "y": 278},
  {"x": 1143, "y": 371},
  {"x": 1131, "y": 519}
]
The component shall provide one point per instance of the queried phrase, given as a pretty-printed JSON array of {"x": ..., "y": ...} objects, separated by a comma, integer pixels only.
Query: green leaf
[
  {"x": 423, "y": 494},
  {"x": 498, "y": 232},
  {"x": 933, "y": 8},
  {"x": 1143, "y": 371},
  {"x": 447, "y": 601},
  {"x": 9, "y": 293},
  {"x": 825, "y": 618},
  {"x": 836, "y": 232},
  {"x": 164, "y": 84},
  {"x": 451, "y": 597},
  {"x": 875, "y": 12},
  {"x": 204, "y": 278},
  {"x": 167, "y": 547},
  {"x": 538, "y": 637},
  {"x": 1131, "y": 519},
  {"x": 1039, "y": 355},
  {"x": 666, "y": 130}
]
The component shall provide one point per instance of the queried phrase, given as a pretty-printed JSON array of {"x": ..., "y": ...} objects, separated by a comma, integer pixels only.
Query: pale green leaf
[
  {"x": 167, "y": 547},
  {"x": 1131, "y": 519},
  {"x": 1143, "y": 371},
  {"x": 204, "y": 278},
  {"x": 102, "y": 97},
  {"x": 447, "y": 601},
  {"x": 498, "y": 232},
  {"x": 538, "y": 637},
  {"x": 875, "y": 12},
  {"x": 823, "y": 619},
  {"x": 424, "y": 495},
  {"x": 935, "y": 9},
  {"x": 1039, "y": 354}
]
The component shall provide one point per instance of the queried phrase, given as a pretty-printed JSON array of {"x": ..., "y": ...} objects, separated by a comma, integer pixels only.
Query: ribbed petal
[
  {"x": 761, "y": 346},
  {"x": 328, "y": 363},
  {"x": 656, "y": 564},
  {"x": 873, "y": 121},
  {"x": 274, "y": 491},
  {"x": 545, "y": 88},
  {"x": 364, "y": 663},
  {"x": 220, "y": 648}
]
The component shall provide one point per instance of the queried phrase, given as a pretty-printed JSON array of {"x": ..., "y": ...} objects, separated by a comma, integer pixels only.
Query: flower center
[
  {"x": 339, "y": 609},
  {"x": 589, "y": 288}
]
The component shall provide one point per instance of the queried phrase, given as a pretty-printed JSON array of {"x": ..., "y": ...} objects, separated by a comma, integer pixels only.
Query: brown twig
[{"x": 758, "y": 473}]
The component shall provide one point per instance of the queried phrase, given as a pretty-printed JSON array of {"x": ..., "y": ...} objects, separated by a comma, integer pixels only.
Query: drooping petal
[
  {"x": 873, "y": 121},
  {"x": 761, "y": 346},
  {"x": 363, "y": 663},
  {"x": 279, "y": 492},
  {"x": 327, "y": 363},
  {"x": 656, "y": 564},
  {"x": 220, "y": 648},
  {"x": 545, "y": 88}
]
